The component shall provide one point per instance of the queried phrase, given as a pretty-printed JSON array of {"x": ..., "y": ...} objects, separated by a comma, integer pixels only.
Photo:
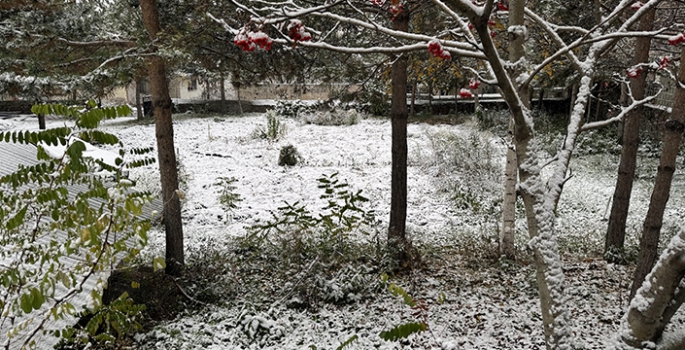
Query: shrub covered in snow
[{"x": 332, "y": 117}]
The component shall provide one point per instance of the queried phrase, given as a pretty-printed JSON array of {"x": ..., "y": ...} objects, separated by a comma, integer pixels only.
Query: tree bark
[
  {"x": 41, "y": 121},
  {"x": 516, "y": 53},
  {"x": 616, "y": 231},
  {"x": 651, "y": 229},
  {"x": 224, "y": 108},
  {"x": 164, "y": 132},
  {"x": 139, "y": 107},
  {"x": 644, "y": 321},
  {"x": 397, "y": 239}
]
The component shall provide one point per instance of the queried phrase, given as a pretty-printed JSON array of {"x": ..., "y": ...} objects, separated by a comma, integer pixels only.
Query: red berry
[{"x": 464, "y": 93}]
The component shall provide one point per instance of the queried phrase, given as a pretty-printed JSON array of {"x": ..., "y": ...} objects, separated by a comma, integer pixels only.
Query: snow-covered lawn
[{"x": 472, "y": 303}]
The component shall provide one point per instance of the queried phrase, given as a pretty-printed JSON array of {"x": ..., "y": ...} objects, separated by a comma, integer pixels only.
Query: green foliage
[
  {"x": 106, "y": 323},
  {"x": 320, "y": 252},
  {"x": 403, "y": 331},
  {"x": 420, "y": 310},
  {"x": 228, "y": 198},
  {"x": 61, "y": 225},
  {"x": 273, "y": 130}
]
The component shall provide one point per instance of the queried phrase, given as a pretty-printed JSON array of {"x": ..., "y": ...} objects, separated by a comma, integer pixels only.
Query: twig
[{"x": 186, "y": 294}]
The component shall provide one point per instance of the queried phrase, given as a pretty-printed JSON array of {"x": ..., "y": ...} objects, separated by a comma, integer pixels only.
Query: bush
[
  {"x": 292, "y": 109},
  {"x": 467, "y": 170},
  {"x": 288, "y": 156},
  {"x": 227, "y": 197},
  {"x": 333, "y": 117},
  {"x": 273, "y": 130},
  {"x": 316, "y": 258}
]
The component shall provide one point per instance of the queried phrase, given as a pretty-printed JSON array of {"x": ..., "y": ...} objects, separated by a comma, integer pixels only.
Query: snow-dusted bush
[
  {"x": 292, "y": 109},
  {"x": 273, "y": 130},
  {"x": 332, "y": 117},
  {"x": 467, "y": 170},
  {"x": 320, "y": 257}
]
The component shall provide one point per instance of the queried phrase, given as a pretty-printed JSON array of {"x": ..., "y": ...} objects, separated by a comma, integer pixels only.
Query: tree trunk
[
  {"x": 139, "y": 107},
  {"x": 41, "y": 121},
  {"x": 413, "y": 97},
  {"x": 164, "y": 132},
  {"x": 398, "y": 115},
  {"x": 616, "y": 231},
  {"x": 222, "y": 84},
  {"x": 651, "y": 229},
  {"x": 645, "y": 317},
  {"x": 507, "y": 234},
  {"x": 516, "y": 53}
]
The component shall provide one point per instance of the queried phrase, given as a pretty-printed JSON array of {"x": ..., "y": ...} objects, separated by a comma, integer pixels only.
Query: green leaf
[
  {"x": 403, "y": 331},
  {"x": 347, "y": 342},
  {"x": 158, "y": 263},
  {"x": 37, "y": 298},
  {"x": 26, "y": 303}
]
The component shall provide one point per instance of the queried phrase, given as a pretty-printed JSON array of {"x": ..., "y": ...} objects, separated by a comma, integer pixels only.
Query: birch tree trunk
[
  {"x": 651, "y": 229},
  {"x": 516, "y": 54},
  {"x": 616, "y": 231},
  {"x": 644, "y": 320},
  {"x": 166, "y": 154}
]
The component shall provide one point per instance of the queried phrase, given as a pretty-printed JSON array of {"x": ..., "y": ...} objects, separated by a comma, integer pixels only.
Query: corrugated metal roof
[{"x": 11, "y": 157}]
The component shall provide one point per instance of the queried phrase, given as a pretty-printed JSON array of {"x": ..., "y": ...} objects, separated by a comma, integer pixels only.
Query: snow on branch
[
  {"x": 622, "y": 114},
  {"x": 98, "y": 43},
  {"x": 222, "y": 23},
  {"x": 555, "y": 37},
  {"x": 461, "y": 22}
]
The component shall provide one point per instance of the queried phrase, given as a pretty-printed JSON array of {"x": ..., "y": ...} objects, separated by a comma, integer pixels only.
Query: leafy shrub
[
  {"x": 333, "y": 117},
  {"x": 273, "y": 130},
  {"x": 105, "y": 323},
  {"x": 291, "y": 108},
  {"x": 319, "y": 255},
  {"x": 60, "y": 224}
]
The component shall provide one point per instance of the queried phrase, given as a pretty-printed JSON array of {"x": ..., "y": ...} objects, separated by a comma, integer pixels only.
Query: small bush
[
  {"x": 333, "y": 117},
  {"x": 291, "y": 109},
  {"x": 320, "y": 257},
  {"x": 288, "y": 156},
  {"x": 273, "y": 130},
  {"x": 228, "y": 198},
  {"x": 467, "y": 171}
]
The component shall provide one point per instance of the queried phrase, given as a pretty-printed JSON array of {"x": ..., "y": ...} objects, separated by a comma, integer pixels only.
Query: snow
[{"x": 487, "y": 305}]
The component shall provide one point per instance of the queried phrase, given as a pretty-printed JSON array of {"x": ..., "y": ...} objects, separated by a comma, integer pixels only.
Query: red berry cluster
[
  {"x": 296, "y": 31},
  {"x": 677, "y": 39},
  {"x": 665, "y": 61},
  {"x": 378, "y": 3},
  {"x": 634, "y": 72},
  {"x": 465, "y": 93},
  {"x": 250, "y": 41},
  {"x": 502, "y": 6},
  {"x": 261, "y": 39},
  {"x": 474, "y": 84},
  {"x": 436, "y": 50},
  {"x": 636, "y": 6},
  {"x": 395, "y": 10}
]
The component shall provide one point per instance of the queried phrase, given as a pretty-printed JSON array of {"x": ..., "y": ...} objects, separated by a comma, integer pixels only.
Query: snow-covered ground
[{"x": 489, "y": 305}]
